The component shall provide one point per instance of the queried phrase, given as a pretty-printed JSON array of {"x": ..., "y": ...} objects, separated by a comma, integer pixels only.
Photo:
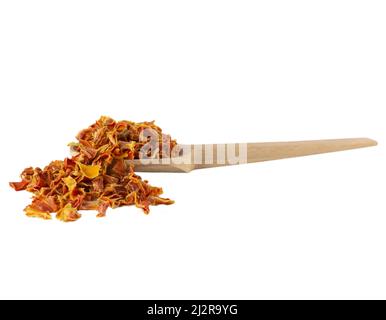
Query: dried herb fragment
[{"x": 96, "y": 177}]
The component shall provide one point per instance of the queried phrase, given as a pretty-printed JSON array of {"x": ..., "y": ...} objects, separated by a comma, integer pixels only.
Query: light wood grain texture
[{"x": 196, "y": 156}]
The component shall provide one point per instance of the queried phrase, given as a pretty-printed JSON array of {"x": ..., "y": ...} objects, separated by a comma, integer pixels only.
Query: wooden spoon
[{"x": 207, "y": 156}]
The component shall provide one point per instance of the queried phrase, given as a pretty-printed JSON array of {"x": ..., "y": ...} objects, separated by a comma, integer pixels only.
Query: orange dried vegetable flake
[{"x": 96, "y": 177}]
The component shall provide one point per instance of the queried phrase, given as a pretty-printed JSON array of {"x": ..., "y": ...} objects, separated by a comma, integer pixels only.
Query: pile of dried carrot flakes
[{"x": 97, "y": 176}]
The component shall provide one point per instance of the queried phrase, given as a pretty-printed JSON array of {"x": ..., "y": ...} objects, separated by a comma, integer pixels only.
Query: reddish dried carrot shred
[{"x": 96, "y": 177}]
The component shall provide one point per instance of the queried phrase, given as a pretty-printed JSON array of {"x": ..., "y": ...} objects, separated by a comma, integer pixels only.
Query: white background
[{"x": 206, "y": 71}]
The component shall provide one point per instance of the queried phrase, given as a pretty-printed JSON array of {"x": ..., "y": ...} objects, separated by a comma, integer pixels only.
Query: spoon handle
[{"x": 222, "y": 155}]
